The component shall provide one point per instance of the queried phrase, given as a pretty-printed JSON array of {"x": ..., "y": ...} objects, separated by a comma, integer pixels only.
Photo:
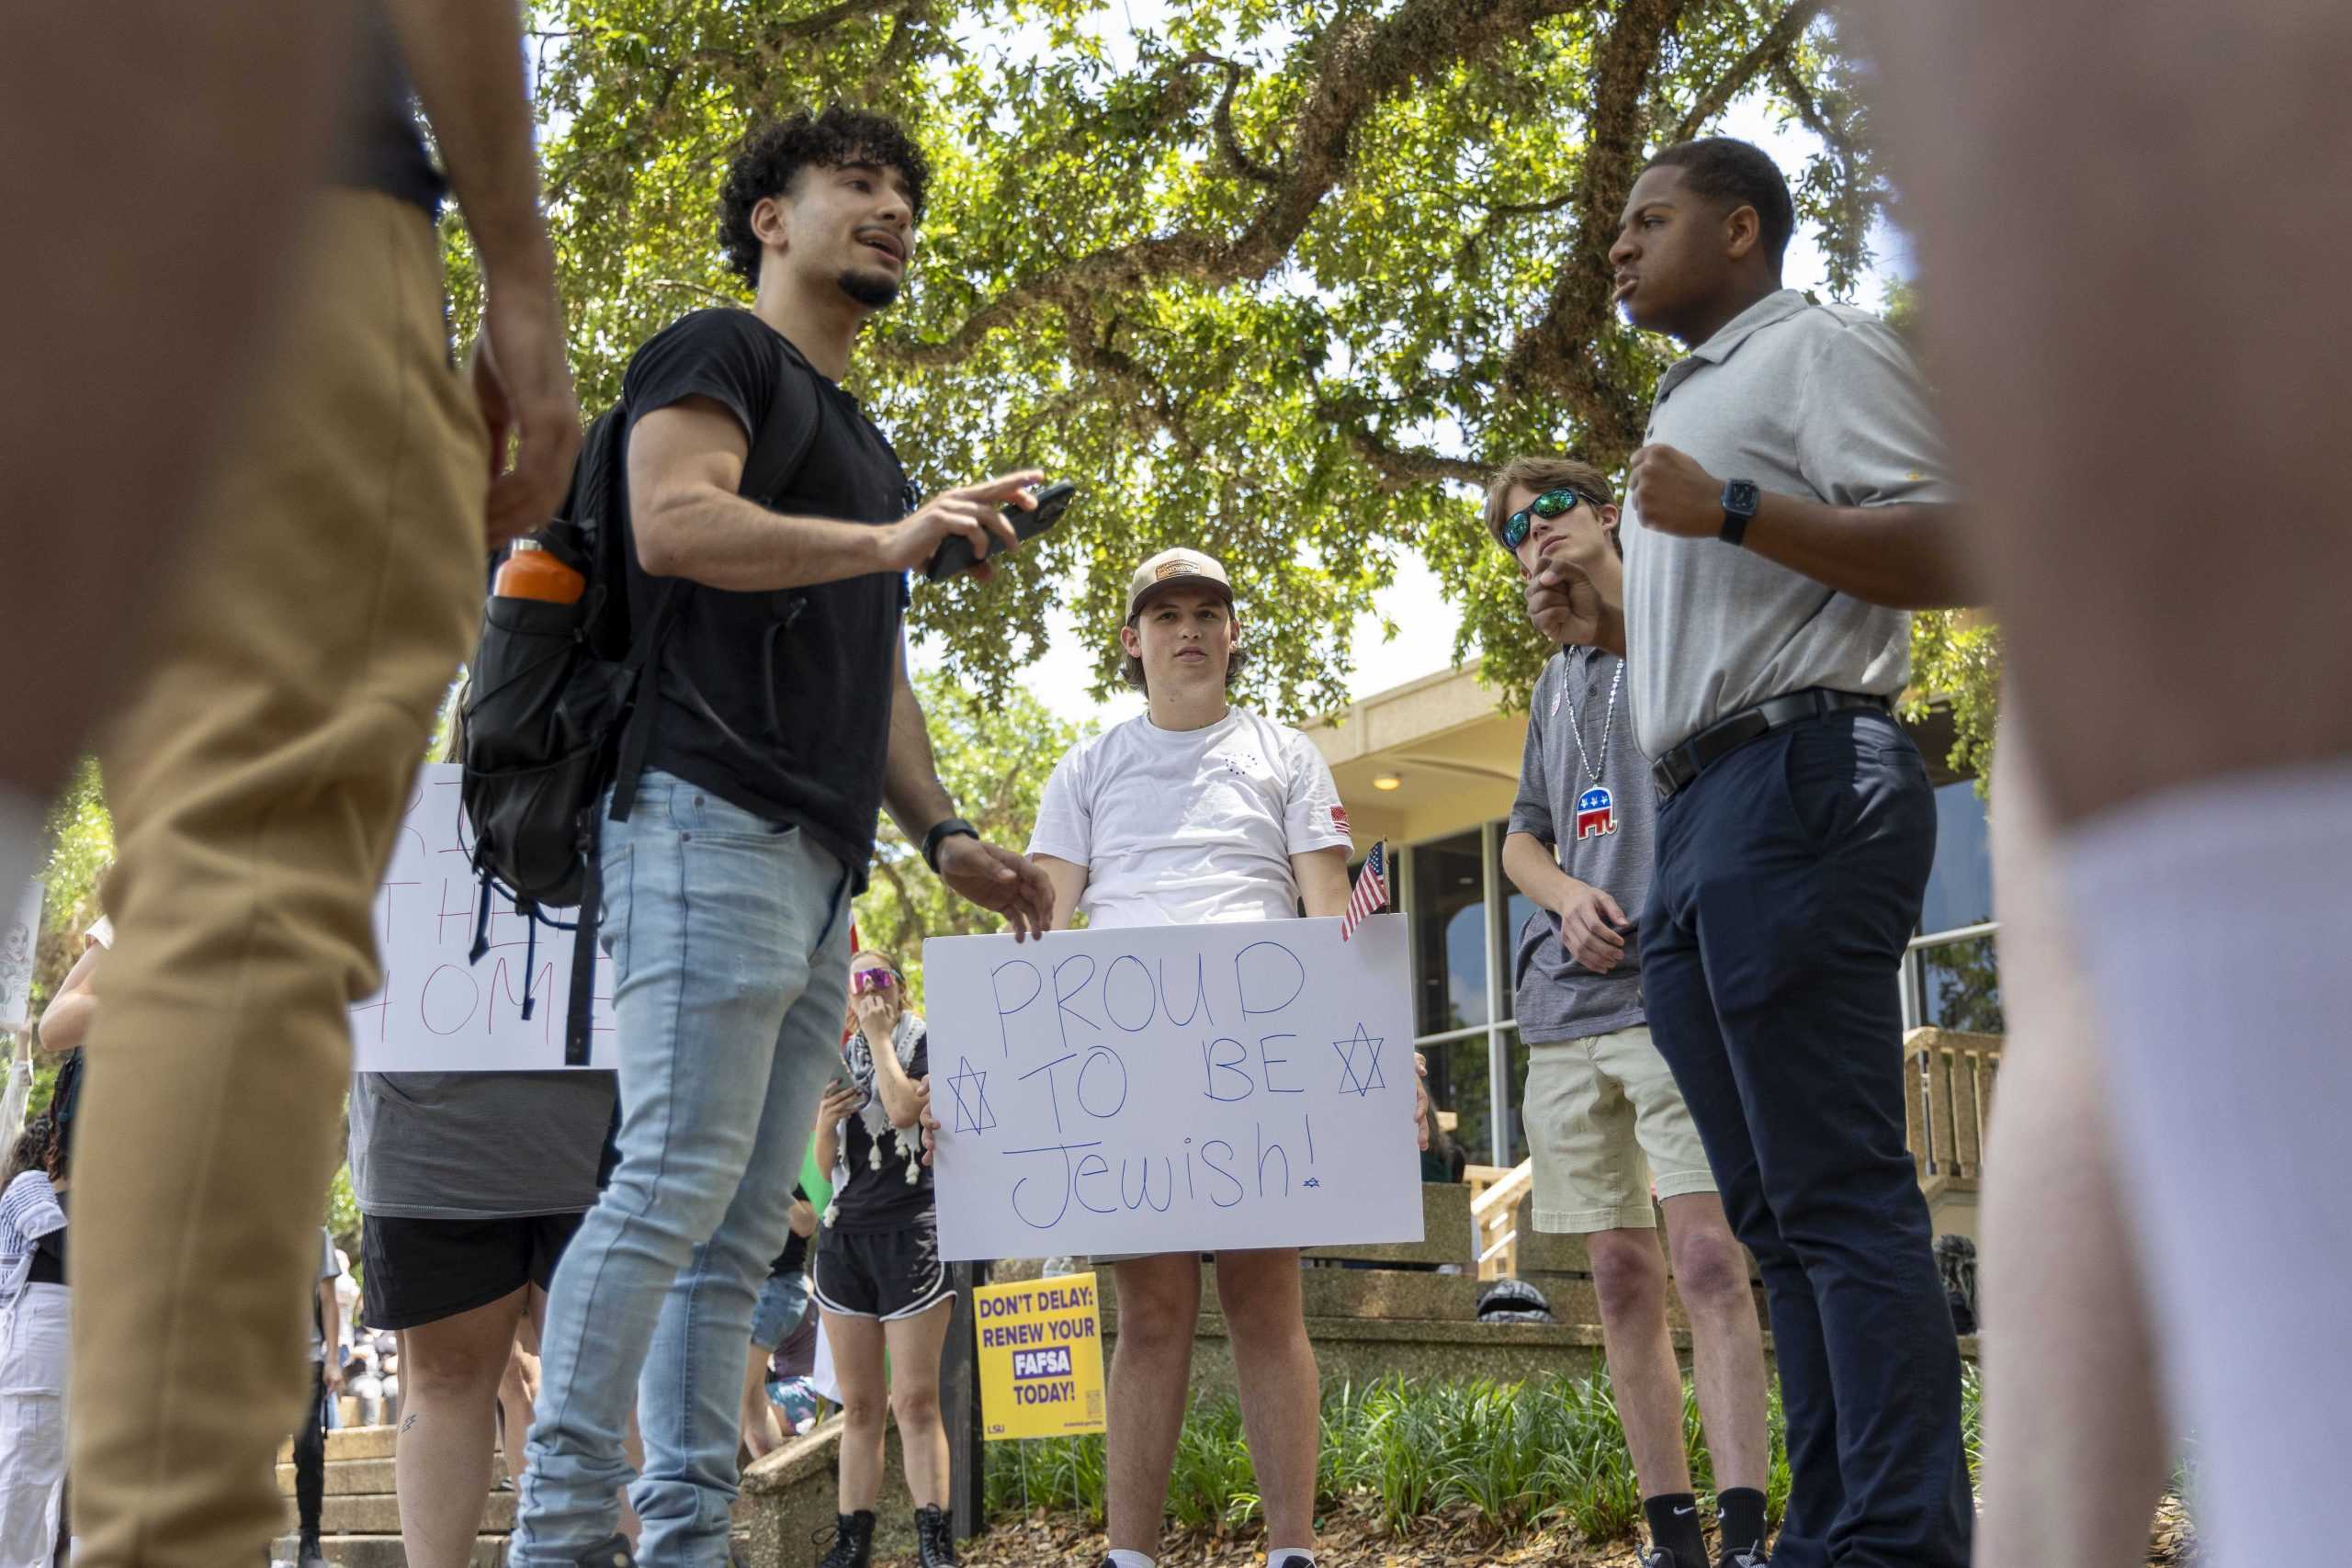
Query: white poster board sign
[
  {"x": 19, "y": 938},
  {"x": 439, "y": 1012},
  {"x": 1174, "y": 1089}
]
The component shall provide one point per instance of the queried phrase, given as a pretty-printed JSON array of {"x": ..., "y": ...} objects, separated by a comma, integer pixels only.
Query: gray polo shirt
[
  {"x": 1559, "y": 999},
  {"x": 1817, "y": 400}
]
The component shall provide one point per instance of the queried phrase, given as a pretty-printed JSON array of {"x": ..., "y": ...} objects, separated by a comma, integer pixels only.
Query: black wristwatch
[
  {"x": 939, "y": 835},
  {"x": 1740, "y": 497}
]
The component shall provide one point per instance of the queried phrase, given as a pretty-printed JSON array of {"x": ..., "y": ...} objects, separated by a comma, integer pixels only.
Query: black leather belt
[{"x": 1719, "y": 739}]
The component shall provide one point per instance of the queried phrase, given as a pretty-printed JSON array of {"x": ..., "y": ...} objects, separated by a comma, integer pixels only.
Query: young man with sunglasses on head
[
  {"x": 1198, "y": 811},
  {"x": 1605, "y": 1122},
  {"x": 1794, "y": 497}
]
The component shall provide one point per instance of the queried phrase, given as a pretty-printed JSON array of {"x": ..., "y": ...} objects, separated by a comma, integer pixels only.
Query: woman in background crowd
[
  {"x": 35, "y": 1331},
  {"x": 879, "y": 1282}
]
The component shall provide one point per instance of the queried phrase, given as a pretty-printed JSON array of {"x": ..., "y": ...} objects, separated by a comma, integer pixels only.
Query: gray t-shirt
[
  {"x": 1816, "y": 400},
  {"x": 1604, "y": 832},
  {"x": 478, "y": 1145}
]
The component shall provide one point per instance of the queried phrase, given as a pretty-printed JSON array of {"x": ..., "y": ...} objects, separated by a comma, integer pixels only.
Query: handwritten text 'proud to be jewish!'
[{"x": 1144, "y": 1086}]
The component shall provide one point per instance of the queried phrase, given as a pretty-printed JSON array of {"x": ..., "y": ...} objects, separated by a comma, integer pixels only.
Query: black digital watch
[{"x": 938, "y": 834}]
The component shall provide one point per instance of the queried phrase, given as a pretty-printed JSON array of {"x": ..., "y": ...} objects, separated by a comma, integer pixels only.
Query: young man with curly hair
[{"x": 727, "y": 887}]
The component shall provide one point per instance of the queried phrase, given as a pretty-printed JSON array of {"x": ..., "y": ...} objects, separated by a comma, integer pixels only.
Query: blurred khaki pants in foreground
[{"x": 257, "y": 775}]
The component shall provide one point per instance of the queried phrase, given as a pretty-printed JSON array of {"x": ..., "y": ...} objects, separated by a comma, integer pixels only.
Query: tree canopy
[
  {"x": 994, "y": 758},
  {"x": 1278, "y": 280}
]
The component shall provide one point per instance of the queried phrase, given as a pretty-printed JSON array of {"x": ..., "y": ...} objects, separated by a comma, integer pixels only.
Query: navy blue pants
[{"x": 1789, "y": 878}]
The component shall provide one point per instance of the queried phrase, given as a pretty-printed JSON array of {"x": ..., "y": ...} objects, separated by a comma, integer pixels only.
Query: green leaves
[
  {"x": 1280, "y": 280},
  {"x": 994, "y": 754}
]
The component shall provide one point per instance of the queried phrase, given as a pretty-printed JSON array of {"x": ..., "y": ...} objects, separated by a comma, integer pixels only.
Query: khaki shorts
[{"x": 1606, "y": 1123}]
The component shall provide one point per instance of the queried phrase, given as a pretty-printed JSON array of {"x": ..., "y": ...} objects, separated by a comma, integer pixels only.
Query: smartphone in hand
[{"x": 956, "y": 554}]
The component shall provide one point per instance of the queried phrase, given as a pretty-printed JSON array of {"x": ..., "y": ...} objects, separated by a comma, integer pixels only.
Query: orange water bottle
[{"x": 534, "y": 571}]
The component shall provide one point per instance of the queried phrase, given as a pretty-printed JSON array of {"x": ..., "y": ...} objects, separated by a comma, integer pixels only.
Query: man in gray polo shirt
[
  {"x": 1791, "y": 502},
  {"x": 1605, "y": 1122}
]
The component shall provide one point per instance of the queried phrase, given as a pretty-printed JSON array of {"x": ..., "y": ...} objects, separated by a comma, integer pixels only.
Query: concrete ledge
[
  {"x": 1545, "y": 1253},
  {"x": 1361, "y": 1350},
  {"x": 787, "y": 1499},
  {"x": 357, "y": 1477},
  {"x": 379, "y": 1514},
  {"x": 349, "y": 1442},
  {"x": 1575, "y": 1299},
  {"x": 1447, "y": 1235},
  {"x": 1385, "y": 1293}
]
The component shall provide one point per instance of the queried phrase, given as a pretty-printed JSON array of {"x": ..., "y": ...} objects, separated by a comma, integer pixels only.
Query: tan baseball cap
[{"x": 1182, "y": 566}]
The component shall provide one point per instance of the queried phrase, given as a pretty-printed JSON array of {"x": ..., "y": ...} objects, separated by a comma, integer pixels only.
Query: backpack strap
[
  {"x": 787, "y": 433},
  {"x": 582, "y": 999}
]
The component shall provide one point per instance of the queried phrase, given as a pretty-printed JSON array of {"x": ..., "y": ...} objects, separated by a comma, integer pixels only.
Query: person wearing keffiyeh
[
  {"x": 34, "y": 1330},
  {"x": 879, "y": 1282}
]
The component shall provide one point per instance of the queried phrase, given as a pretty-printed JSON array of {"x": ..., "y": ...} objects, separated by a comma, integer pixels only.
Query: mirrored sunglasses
[
  {"x": 1551, "y": 503},
  {"x": 866, "y": 980}
]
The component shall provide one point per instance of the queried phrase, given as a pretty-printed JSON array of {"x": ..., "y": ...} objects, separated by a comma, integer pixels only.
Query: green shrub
[{"x": 1519, "y": 1455}]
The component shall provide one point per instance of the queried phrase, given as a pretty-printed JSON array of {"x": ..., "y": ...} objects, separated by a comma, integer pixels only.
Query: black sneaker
[
  {"x": 1743, "y": 1557},
  {"x": 852, "y": 1541},
  {"x": 1290, "y": 1562},
  {"x": 612, "y": 1552},
  {"x": 1656, "y": 1557},
  {"x": 310, "y": 1555}
]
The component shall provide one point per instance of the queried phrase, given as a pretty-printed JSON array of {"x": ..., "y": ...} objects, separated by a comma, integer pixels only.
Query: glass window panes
[
  {"x": 1449, "y": 935},
  {"x": 1960, "y": 987},
  {"x": 1959, "y": 886},
  {"x": 1458, "y": 1079}
]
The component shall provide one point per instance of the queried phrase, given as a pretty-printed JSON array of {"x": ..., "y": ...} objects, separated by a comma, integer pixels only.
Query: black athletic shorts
[
  {"x": 883, "y": 1274},
  {"x": 421, "y": 1271}
]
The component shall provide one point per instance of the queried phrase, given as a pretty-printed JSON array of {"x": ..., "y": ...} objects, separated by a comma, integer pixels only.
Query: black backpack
[{"x": 559, "y": 703}]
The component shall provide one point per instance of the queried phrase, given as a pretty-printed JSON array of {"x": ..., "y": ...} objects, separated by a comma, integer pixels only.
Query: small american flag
[{"x": 1371, "y": 890}]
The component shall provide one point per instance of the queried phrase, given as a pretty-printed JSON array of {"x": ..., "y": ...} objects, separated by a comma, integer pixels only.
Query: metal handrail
[
  {"x": 1958, "y": 933},
  {"x": 1513, "y": 1184},
  {"x": 1465, "y": 1033}
]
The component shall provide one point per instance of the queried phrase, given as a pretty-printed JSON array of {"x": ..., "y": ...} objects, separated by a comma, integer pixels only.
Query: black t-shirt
[
  {"x": 381, "y": 148},
  {"x": 883, "y": 1199},
  {"x": 49, "y": 1257},
  {"x": 778, "y": 703}
]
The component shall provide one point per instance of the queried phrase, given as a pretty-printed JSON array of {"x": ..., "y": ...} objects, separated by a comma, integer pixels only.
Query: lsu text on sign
[
  {"x": 1174, "y": 1089},
  {"x": 1040, "y": 1357},
  {"x": 439, "y": 1012}
]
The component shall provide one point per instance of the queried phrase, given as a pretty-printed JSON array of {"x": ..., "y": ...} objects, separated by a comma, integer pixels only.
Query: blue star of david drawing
[
  {"x": 1354, "y": 1077},
  {"x": 970, "y": 1088}
]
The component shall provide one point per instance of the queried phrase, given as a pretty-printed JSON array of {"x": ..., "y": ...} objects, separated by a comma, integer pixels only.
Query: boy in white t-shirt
[{"x": 1198, "y": 811}]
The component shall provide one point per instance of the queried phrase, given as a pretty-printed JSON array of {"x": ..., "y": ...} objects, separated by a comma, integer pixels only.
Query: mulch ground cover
[{"x": 1357, "y": 1539}]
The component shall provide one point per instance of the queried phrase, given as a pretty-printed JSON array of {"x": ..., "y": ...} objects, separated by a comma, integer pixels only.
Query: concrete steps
[
  {"x": 383, "y": 1551},
  {"x": 360, "y": 1516}
]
